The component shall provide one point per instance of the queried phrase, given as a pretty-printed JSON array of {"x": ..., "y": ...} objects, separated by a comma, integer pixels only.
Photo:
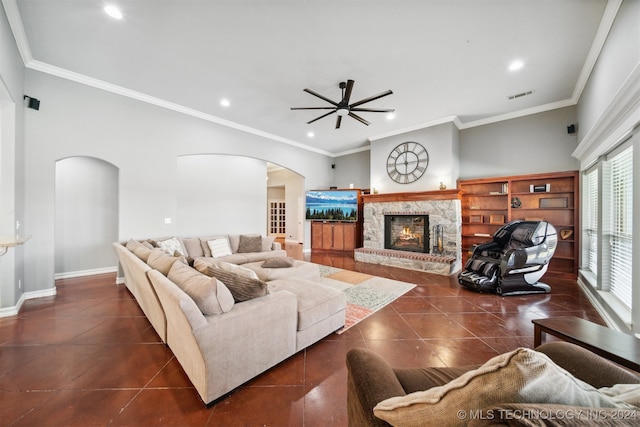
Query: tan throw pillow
[
  {"x": 250, "y": 243},
  {"x": 238, "y": 269},
  {"x": 142, "y": 252},
  {"x": 242, "y": 288},
  {"x": 520, "y": 376},
  {"x": 210, "y": 295},
  {"x": 278, "y": 262},
  {"x": 161, "y": 261},
  {"x": 219, "y": 247},
  {"x": 193, "y": 247}
]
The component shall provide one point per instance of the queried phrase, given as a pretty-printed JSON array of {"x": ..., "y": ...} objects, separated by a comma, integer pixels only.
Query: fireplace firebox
[{"x": 406, "y": 232}]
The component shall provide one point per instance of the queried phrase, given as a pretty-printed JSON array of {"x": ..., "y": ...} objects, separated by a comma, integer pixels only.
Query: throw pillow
[
  {"x": 142, "y": 252},
  {"x": 278, "y": 262},
  {"x": 161, "y": 261},
  {"x": 234, "y": 268},
  {"x": 219, "y": 247},
  {"x": 250, "y": 243},
  {"x": 172, "y": 245},
  {"x": 193, "y": 247},
  {"x": 210, "y": 295},
  {"x": 242, "y": 288},
  {"x": 267, "y": 243},
  {"x": 520, "y": 376}
]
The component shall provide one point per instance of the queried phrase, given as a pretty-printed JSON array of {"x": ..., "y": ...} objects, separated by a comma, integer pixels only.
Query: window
[
  {"x": 621, "y": 221},
  {"x": 590, "y": 221}
]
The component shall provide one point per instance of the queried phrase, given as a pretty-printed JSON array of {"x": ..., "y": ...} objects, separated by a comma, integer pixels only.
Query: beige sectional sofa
[{"x": 225, "y": 334}]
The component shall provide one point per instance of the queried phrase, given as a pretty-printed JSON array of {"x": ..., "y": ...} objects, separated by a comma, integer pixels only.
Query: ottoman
[{"x": 301, "y": 269}]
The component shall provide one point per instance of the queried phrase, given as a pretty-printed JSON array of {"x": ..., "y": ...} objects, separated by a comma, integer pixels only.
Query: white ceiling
[{"x": 444, "y": 60}]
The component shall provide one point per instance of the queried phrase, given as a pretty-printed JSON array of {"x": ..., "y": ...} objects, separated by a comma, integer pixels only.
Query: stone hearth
[{"x": 443, "y": 207}]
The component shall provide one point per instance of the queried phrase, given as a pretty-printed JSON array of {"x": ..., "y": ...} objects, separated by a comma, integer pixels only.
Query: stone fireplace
[
  {"x": 404, "y": 232},
  {"x": 424, "y": 209}
]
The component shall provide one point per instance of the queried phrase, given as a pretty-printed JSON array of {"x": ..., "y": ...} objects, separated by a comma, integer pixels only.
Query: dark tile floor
[{"x": 88, "y": 356}]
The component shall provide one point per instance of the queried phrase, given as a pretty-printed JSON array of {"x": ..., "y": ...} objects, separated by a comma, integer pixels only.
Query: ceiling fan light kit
[{"x": 343, "y": 108}]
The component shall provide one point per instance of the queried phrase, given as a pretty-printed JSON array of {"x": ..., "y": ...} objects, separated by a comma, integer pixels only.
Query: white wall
[
  {"x": 218, "y": 194},
  {"x": 441, "y": 143},
  {"x": 86, "y": 215},
  {"x": 144, "y": 142},
  {"x": 531, "y": 144}
]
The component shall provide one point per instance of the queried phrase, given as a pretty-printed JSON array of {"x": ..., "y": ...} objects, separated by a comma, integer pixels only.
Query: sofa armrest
[
  {"x": 370, "y": 380},
  {"x": 587, "y": 366},
  {"x": 276, "y": 246}
]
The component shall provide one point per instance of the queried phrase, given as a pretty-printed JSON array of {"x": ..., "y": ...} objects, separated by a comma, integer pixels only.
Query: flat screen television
[{"x": 332, "y": 205}]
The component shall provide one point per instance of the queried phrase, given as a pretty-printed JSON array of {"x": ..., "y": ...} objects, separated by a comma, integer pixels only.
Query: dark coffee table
[{"x": 621, "y": 348}]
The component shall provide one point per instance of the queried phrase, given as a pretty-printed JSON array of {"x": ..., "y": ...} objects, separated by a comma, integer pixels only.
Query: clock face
[{"x": 407, "y": 162}]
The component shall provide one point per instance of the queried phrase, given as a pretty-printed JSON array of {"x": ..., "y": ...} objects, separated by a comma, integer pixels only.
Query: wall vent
[{"x": 520, "y": 95}]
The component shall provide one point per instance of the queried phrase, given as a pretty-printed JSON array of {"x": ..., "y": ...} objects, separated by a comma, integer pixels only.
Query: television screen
[{"x": 332, "y": 205}]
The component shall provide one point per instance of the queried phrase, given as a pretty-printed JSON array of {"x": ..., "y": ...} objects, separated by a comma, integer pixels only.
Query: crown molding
[
  {"x": 15, "y": 22},
  {"x": 618, "y": 121},
  {"x": 608, "y": 17}
]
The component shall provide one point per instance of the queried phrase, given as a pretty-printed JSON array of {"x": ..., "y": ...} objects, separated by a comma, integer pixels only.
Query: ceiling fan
[{"x": 343, "y": 108}]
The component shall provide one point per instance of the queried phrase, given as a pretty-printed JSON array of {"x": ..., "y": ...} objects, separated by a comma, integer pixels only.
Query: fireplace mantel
[
  {"x": 414, "y": 196},
  {"x": 444, "y": 208}
]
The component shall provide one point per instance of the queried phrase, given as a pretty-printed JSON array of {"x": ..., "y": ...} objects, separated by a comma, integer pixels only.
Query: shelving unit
[{"x": 488, "y": 203}]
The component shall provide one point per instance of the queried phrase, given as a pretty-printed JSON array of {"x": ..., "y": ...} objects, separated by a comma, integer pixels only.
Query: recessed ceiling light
[
  {"x": 225, "y": 102},
  {"x": 113, "y": 11},
  {"x": 516, "y": 65},
  {"x": 391, "y": 116},
  {"x": 310, "y": 134}
]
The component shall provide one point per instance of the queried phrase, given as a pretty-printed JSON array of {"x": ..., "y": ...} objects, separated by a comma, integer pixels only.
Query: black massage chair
[{"x": 514, "y": 261}]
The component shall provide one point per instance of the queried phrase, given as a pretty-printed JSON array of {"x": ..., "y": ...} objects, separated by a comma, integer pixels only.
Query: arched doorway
[{"x": 86, "y": 216}]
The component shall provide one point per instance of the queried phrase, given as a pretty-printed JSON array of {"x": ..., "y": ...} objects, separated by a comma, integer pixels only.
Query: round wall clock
[{"x": 407, "y": 162}]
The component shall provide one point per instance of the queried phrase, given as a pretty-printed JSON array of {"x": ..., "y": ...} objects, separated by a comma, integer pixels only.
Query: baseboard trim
[
  {"x": 14, "y": 310},
  {"x": 82, "y": 273}
]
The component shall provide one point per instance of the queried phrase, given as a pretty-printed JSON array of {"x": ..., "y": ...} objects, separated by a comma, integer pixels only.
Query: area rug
[{"x": 366, "y": 294}]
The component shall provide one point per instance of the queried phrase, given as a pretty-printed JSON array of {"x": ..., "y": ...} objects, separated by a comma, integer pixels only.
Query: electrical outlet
[
  {"x": 19, "y": 283},
  {"x": 18, "y": 225},
  {"x": 167, "y": 220}
]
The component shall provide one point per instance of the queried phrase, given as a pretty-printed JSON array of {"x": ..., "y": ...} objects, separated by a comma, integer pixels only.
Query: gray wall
[
  {"x": 352, "y": 169},
  {"x": 12, "y": 183},
  {"x": 144, "y": 142},
  {"x": 618, "y": 58},
  {"x": 531, "y": 144}
]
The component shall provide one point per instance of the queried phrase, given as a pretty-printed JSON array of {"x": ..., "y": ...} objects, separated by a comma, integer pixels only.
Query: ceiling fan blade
[
  {"x": 358, "y": 118},
  {"x": 322, "y": 116},
  {"x": 313, "y": 108},
  {"x": 338, "y": 121},
  {"x": 321, "y": 97},
  {"x": 347, "y": 92},
  {"x": 375, "y": 110},
  {"x": 371, "y": 98}
]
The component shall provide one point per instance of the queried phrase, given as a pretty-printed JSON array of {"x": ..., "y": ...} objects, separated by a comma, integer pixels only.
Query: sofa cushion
[
  {"x": 219, "y": 247},
  {"x": 267, "y": 243},
  {"x": 242, "y": 288},
  {"x": 210, "y": 295},
  {"x": 316, "y": 302},
  {"x": 161, "y": 261},
  {"x": 193, "y": 247},
  {"x": 142, "y": 252},
  {"x": 520, "y": 376},
  {"x": 278, "y": 262},
  {"x": 171, "y": 246},
  {"x": 250, "y": 243}
]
